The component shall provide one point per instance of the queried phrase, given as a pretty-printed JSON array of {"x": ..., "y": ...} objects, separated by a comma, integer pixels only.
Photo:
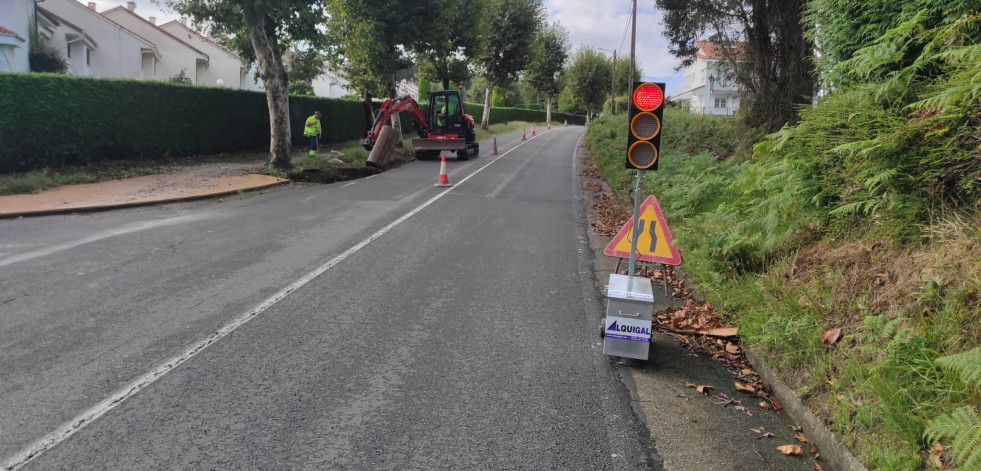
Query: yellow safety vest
[{"x": 312, "y": 127}]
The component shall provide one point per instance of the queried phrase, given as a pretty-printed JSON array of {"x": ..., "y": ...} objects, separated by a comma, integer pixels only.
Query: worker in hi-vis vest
[{"x": 312, "y": 129}]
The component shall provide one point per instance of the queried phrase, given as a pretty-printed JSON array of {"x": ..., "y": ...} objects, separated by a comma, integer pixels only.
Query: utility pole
[{"x": 613, "y": 88}]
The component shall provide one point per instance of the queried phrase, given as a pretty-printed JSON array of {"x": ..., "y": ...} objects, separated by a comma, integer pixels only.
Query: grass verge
[{"x": 905, "y": 308}]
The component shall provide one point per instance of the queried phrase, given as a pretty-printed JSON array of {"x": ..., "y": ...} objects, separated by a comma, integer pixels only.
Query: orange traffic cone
[
  {"x": 523, "y": 136},
  {"x": 495, "y": 146},
  {"x": 549, "y": 126},
  {"x": 532, "y": 129},
  {"x": 444, "y": 180}
]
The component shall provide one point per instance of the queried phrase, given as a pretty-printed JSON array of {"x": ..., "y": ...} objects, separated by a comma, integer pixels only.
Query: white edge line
[
  {"x": 349, "y": 184},
  {"x": 66, "y": 430}
]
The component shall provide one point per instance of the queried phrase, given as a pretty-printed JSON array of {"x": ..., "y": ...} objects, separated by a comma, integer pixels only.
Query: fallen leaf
[
  {"x": 935, "y": 452},
  {"x": 767, "y": 435},
  {"x": 791, "y": 450},
  {"x": 705, "y": 389},
  {"x": 689, "y": 384},
  {"x": 831, "y": 336},
  {"x": 747, "y": 372},
  {"x": 818, "y": 467},
  {"x": 758, "y": 430},
  {"x": 765, "y": 405},
  {"x": 812, "y": 448},
  {"x": 732, "y": 348},
  {"x": 801, "y": 438},
  {"x": 724, "y": 332},
  {"x": 741, "y": 386}
]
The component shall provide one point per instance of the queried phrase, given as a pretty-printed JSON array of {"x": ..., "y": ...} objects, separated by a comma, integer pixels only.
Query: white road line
[
  {"x": 349, "y": 184},
  {"x": 90, "y": 415},
  {"x": 127, "y": 229}
]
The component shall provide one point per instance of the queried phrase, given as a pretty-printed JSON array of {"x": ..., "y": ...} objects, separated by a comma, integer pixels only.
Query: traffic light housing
[{"x": 644, "y": 121}]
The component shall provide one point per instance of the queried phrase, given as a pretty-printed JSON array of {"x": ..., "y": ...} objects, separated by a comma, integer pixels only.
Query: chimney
[
  {"x": 153, "y": 20},
  {"x": 131, "y": 6},
  {"x": 92, "y": 6},
  {"x": 184, "y": 20}
]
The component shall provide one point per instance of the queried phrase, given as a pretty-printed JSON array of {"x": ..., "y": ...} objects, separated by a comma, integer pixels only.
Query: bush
[
  {"x": 69, "y": 119},
  {"x": 47, "y": 60}
]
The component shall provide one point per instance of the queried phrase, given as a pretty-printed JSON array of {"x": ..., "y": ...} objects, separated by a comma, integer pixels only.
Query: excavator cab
[
  {"x": 444, "y": 127},
  {"x": 450, "y": 128},
  {"x": 446, "y": 113}
]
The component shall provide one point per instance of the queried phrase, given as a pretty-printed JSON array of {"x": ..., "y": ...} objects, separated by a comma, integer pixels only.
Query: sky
[{"x": 591, "y": 23}]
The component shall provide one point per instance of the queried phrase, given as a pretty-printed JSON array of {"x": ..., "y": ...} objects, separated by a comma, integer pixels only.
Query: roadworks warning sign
[{"x": 655, "y": 244}]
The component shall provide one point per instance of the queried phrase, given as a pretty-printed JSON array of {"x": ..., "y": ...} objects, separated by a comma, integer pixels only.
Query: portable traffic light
[{"x": 644, "y": 120}]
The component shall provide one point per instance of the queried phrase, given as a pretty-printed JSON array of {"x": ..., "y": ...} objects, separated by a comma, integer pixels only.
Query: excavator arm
[{"x": 391, "y": 107}]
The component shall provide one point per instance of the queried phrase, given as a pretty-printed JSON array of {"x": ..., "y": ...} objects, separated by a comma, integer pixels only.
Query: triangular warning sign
[{"x": 655, "y": 244}]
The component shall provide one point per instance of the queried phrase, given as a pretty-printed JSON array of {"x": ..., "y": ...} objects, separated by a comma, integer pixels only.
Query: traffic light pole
[
  {"x": 636, "y": 233},
  {"x": 640, "y": 173}
]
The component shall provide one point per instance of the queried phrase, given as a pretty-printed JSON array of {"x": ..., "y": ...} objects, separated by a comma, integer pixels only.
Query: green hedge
[
  {"x": 54, "y": 119},
  {"x": 500, "y": 115}
]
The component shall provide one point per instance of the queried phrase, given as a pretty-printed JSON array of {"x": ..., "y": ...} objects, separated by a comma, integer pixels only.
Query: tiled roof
[
  {"x": 716, "y": 51},
  {"x": 7, "y": 32}
]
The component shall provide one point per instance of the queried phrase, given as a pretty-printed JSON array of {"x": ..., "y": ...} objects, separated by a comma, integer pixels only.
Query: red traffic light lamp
[{"x": 644, "y": 136}]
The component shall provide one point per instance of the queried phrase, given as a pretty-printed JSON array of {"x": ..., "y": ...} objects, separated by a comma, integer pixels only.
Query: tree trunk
[
  {"x": 262, "y": 34},
  {"x": 446, "y": 83},
  {"x": 548, "y": 110},
  {"x": 369, "y": 112},
  {"x": 485, "y": 121}
]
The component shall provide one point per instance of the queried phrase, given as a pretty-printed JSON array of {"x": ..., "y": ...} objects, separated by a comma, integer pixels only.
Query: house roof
[
  {"x": 7, "y": 32},
  {"x": 128, "y": 11},
  {"x": 57, "y": 20},
  {"x": 717, "y": 51},
  {"x": 201, "y": 36}
]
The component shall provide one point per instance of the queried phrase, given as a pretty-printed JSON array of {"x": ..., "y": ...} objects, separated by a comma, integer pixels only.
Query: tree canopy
[
  {"x": 257, "y": 29},
  {"x": 776, "y": 61},
  {"x": 589, "y": 78}
]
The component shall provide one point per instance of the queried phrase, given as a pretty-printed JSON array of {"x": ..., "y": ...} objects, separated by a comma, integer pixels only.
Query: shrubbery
[{"x": 54, "y": 119}]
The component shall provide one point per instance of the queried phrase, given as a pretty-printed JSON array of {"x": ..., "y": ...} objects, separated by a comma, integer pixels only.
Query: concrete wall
[
  {"x": 15, "y": 15},
  {"x": 175, "y": 55},
  {"x": 118, "y": 53},
  {"x": 222, "y": 65}
]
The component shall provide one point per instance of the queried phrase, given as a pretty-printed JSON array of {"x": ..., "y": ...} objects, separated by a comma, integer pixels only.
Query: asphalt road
[{"x": 376, "y": 324}]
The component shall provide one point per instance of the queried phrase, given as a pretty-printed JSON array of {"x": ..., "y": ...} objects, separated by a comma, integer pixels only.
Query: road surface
[{"x": 381, "y": 323}]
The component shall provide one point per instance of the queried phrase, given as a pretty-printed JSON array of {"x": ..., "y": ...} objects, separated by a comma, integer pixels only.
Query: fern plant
[{"x": 963, "y": 425}]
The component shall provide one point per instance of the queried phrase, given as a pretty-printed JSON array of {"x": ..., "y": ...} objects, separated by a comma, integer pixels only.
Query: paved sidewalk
[{"x": 150, "y": 189}]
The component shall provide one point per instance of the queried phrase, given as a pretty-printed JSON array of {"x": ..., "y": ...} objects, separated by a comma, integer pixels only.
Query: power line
[{"x": 626, "y": 27}]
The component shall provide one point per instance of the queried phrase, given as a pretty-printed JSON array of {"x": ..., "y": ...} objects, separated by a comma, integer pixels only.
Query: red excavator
[{"x": 444, "y": 127}]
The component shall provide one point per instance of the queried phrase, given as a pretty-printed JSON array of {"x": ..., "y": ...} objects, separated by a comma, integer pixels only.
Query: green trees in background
[
  {"x": 548, "y": 60},
  {"x": 446, "y": 50},
  {"x": 588, "y": 79},
  {"x": 507, "y": 30}
]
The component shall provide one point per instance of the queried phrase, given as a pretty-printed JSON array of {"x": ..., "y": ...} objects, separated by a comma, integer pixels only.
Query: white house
[
  {"x": 224, "y": 68},
  {"x": 176, "y": 55},
  {"x": 330, "y": 84},
  {"x": 95, "y": 45},
  {"x": 15, "y": 18},
  {"x": 707, "y": 86}
]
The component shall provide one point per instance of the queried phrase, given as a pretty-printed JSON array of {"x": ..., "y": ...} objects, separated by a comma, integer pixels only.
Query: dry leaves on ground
[
  {"x": 831, "y": 336},
  {"x": 794, "y": 450}
]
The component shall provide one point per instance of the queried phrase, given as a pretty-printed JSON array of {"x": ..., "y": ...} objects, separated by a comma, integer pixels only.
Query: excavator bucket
[{"x": 438, "y": 144}]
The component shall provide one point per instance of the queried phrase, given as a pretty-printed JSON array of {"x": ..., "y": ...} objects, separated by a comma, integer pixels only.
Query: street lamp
[{"x": 613, "y": 87}]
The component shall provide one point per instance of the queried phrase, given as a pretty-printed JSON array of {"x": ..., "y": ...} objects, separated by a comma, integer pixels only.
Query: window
[
  {"x": 720, "y": 102},
  {"x": 88, "y": 56},
  {"x": 69, "y": 49}
]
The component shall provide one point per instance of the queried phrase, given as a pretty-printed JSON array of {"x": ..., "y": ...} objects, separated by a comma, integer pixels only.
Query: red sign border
[{"x": 675, "y": 259}]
